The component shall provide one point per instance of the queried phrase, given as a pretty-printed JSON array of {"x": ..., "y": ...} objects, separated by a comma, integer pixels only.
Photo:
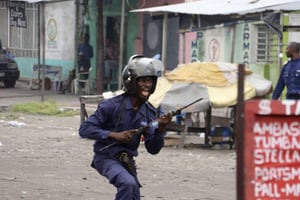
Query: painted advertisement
[
  {"x": 60, "y": 30},
  {"x": 191, "y": 47},
  {"x": 221, "y": 44},
  {"x": 215, "y": 45},
  {"x": 208, "y": 45},
  {"x": 244, "y": 38},
  {"x": 272, "y": 150}
]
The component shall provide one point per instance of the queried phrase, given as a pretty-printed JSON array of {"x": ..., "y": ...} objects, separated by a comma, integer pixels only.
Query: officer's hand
[
  {"x": 124, "y": 136},
  {"x": 163, "y": 121}
]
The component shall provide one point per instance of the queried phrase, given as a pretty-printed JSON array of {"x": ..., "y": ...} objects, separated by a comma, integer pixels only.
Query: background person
[
  {"x": 290, "y": 74},
  {"x": 85, "y": 53}
]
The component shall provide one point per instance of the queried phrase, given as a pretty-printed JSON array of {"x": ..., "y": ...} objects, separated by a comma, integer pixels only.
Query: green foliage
[{"x": 48, "y": 107}]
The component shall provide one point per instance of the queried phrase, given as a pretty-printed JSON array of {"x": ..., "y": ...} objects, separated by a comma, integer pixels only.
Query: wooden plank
[
  {"x": 187, "y": 119},
  {"x": 88, "y": 99}
]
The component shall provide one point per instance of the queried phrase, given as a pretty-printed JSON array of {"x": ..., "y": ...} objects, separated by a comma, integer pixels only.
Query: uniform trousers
[{"x": 127, "y": 184}]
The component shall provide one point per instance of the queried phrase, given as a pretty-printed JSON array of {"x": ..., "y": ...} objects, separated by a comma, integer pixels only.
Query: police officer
[
  {"x": 290, "y": 74},
  {"x": 115, "y": 125}
]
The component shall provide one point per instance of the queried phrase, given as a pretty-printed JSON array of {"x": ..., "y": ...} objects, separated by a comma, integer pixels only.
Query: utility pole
[
  {"x": 77, "y": 35},
  {"x": 121, "y": 45},
  {"x": 44, "y": 51},
  {"x": 100, "y": 49}
]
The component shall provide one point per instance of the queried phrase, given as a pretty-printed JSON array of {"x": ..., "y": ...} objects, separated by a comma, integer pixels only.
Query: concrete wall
[{"x": 60, "y": 39}]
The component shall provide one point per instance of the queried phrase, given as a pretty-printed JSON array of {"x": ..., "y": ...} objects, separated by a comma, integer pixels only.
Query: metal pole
[
  {"x": 100, "y": 49},
  {"x": 121, "y": 45},
  {"x": 77, "y": 31},
  {"x": 43, "y": 48},
  {"x": 39, "y": 47},
  {"x": 280, "y": 38},
  {"x": 164, "y": 39},
  {"x": 8, "y": 26},
  {"x": 239, "y": 133}
]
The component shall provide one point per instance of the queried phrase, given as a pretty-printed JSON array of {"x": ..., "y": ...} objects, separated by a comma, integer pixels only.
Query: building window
[
  {"x": 21, "y": 42},
  {"x": 267, "y": 45},
  {"x": 24, "y": 41}
]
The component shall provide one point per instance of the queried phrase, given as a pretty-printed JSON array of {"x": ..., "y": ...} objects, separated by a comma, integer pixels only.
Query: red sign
[{"x": 272, "y": 150}]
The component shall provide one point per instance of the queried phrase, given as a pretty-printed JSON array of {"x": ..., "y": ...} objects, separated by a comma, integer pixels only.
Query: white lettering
[
  {"x": 282, "y": 142},
  {"x": 297, "y": 111},
  {"x": 266, "y": 190},
  {"x": 277, "y": 174},
  {"x": 16, "y": 14},
  {"x": 246, "y": 44},
  {"x": 288, "y": 104},
  {"x": 21, "y": 23},
  {"x": 263, "y": 156},
  {"x": 277, "y": 128},
  {"x": 292, "y": 190},
  {"x": 264, "y": 107}
]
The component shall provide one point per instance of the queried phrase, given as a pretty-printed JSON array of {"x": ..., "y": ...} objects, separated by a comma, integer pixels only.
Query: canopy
[
  {"x": 226, "y": 7},
  {"x": 46, "y": 1},
  {"x": 215, "y": 82}
]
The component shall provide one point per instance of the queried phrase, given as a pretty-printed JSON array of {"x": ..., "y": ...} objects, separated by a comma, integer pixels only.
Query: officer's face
[{"x": 144, "y": 86}]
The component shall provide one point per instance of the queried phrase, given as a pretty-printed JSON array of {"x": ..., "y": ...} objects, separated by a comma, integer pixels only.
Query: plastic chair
[{"x": 87, "y": 82}]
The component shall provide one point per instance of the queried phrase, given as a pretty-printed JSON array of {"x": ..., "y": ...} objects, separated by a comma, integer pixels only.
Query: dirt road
[{"x": 43, "y": 158}]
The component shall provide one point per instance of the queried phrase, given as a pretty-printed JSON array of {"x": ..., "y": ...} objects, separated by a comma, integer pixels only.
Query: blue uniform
[
  {"x": 117, "y": 114},
  {"x": 290, "y": 77},
  {"x": 87, "y": 53}
]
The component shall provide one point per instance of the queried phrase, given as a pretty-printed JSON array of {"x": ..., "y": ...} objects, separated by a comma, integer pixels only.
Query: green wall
[
  {"x": 25, "y": 66},
  {"x": 114, "y": 9}
]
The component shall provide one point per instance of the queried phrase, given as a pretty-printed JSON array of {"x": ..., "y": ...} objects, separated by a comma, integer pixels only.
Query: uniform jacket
[
  {"x": 117, "y": 114},
  {"x": 290, "y": 77}
]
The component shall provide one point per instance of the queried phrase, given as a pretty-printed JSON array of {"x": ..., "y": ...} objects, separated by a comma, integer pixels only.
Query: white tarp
[
  {"x": 215, "y": 82},
  {"x": 226, "y": 7}
]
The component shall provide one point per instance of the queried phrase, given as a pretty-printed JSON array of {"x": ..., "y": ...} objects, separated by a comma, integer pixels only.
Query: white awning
[
  {"x": 226, "y": 7},
  {"x": 46, "y": 1}
]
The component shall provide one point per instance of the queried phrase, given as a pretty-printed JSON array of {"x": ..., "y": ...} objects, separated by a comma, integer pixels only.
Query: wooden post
[
  {"x": 239, "y": 132},
  {"x": 100, "y": 49},
  {"x": 187, "y": 119},
  {"x": 82, "y": 111},
  {"x": 121, "y": 45},
  {"x": 77, "y": 39},
  {"x": 207, "y": 125},
  {"x": 92, "y": 99},
  {"x": 164, "y": 40}
]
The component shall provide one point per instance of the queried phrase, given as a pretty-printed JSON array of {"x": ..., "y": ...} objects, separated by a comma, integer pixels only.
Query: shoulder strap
[
  {"x": 122, "y": 108},
  {"x": 158, "y": 109}
]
